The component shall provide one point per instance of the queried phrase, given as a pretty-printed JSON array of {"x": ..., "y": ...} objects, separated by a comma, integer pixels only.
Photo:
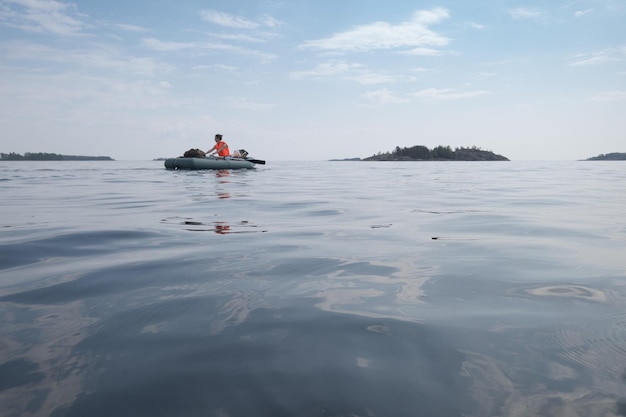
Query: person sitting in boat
[{"x": 220, "y": 147}]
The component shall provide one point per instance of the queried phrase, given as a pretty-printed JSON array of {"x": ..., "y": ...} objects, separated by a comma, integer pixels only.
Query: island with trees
[
  {"x": 42, "y": 156},
  {"x": 439, "y": 153},
  {"x": 613, "y": 156}
]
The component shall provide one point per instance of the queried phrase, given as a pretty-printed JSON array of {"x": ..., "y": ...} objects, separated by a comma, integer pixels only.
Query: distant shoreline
[
  {"x": 614, "y": 156},
  {"x": 42, "y": 156}
]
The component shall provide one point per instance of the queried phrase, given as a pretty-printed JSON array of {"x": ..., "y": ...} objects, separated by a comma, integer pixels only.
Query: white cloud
[
  {"x": 98, "y": 57},
  {"x": 448, "y": 94},
  {"x": 244, "y": 103},
  {"x": 217, "y": 67},
  {"x": 71, "y": 94},
  {"x": 270, "y": 22},
  {"x": 369, "y": 78},
  {"x": 237, "y": 37},
  {"x": 423, "y": 52},
  {"x": 523, "y": 13},
  {"x": 167, "y": 46},
  {"x": 580, "y": 13},
  {"x": 325, "y": 69},
  {"x": 349, "y": 71},
  {"x": 383, "y": 96},
  {"x": 588, "y": 60},
  {"x": 238, "y": 22},
  {"x": 170, "y": 46},
  {"x": 227, "y": 20},
  {"x": 616, "y": 95},
  {"x": 382, "y": 35},
  {"x": 600, "y": 57},
  {"x": 130, "y": 28},
  {"x": 41, "y": 16}
]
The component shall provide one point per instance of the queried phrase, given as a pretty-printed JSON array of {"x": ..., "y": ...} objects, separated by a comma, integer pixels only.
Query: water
[{"x": 313, "y": 289}]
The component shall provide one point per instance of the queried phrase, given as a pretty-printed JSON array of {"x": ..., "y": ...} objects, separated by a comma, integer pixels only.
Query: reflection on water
[
  {"x": 218, "y": 227},
  {"x": 212, "y": 339},
  {"x": 167, "y": 359},
  {"x": 222, "y": 174},
  {"x": 222, "y": 228}
]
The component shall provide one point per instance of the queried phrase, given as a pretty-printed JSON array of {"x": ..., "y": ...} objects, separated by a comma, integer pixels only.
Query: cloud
[
  {"x": 600, "y": 57},
  {"x": 238, "y": 22},
  {"x": 382, "y": 35},
  {"x": 523, "y": 13},
  {"x": 228, "y": 20},
  {"x": 167, "y": 46},
  {"x": 349, "y": 71},
  {"x": 41, "y": 16},
  {"x": 71, "y": 94},
  {"x": 218, "y": 67},
  {"x": 616, "y": 95},
  {"x": 237, "y": 37},
  {"x": 170, "y": 46},
  {"x": 95, "y": 57},
  {"x": 383, "y": 96},
  {"x": 580, "y": 13},
  {"x": 130, "y": 28},
  {"x": 368, "y": 78},
  {"x": 270, "y": 22},
  {"x": 448, "y": 94},
  {"x": 325, "y": 69},
  {"x": 594, "y": 59},
  {"x": 244, "y": 103},
  {"x": 423, "y": 52}
]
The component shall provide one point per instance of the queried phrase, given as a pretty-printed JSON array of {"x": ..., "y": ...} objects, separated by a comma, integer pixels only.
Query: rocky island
[
  {"x": 613, "y": 156},
  {"x": 440, "y": 153}
]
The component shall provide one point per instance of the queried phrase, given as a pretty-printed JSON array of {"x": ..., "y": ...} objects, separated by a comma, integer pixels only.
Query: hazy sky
[{"x": 313, "y": 79}]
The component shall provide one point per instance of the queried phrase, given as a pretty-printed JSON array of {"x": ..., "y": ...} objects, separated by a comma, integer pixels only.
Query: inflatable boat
[{"x": 212, "y": 163}]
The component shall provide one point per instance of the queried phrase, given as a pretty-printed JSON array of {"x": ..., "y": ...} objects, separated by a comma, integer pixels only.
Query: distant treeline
[
  {"x": 614, "y": 156},
  {"x": 439, "y": 153},
  {"x": 42, "y": 156}
]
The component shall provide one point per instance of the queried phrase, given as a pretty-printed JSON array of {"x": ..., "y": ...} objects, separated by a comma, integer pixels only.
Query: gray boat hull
[{"x": 208, "y": 163}]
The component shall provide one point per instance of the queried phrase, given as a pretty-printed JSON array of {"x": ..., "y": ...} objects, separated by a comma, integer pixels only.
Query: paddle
[{"x": 256, "y": 161}]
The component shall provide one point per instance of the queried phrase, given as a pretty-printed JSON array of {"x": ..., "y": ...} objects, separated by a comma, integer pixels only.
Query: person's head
[{"x": 218, "y": 137}]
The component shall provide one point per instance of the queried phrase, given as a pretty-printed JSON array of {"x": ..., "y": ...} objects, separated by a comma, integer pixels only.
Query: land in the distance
[
  {"x": 439, "y": 153},
  {"x": 42, "y": 156},
  {"x": 613, "y": 156}
]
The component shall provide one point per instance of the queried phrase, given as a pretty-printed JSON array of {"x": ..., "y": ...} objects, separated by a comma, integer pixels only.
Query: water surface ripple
[{"x": 313, "y": 289}]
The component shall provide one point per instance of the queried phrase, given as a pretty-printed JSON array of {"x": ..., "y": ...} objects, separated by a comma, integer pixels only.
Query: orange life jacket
[{"x": 224, "y": 151}]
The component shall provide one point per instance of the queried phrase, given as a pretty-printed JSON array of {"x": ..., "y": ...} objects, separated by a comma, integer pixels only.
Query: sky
[{"x": 313, "y": 79}]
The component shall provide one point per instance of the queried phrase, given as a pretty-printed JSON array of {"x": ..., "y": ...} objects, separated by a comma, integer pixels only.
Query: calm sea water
[{"x": 313, "y": 289}]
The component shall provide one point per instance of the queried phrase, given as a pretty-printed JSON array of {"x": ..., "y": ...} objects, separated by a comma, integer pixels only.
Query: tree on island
[
  {"x": 613, "y": 156},
  {"x": 439, "y": 153},
  {"x": 42, "y": 156}
]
